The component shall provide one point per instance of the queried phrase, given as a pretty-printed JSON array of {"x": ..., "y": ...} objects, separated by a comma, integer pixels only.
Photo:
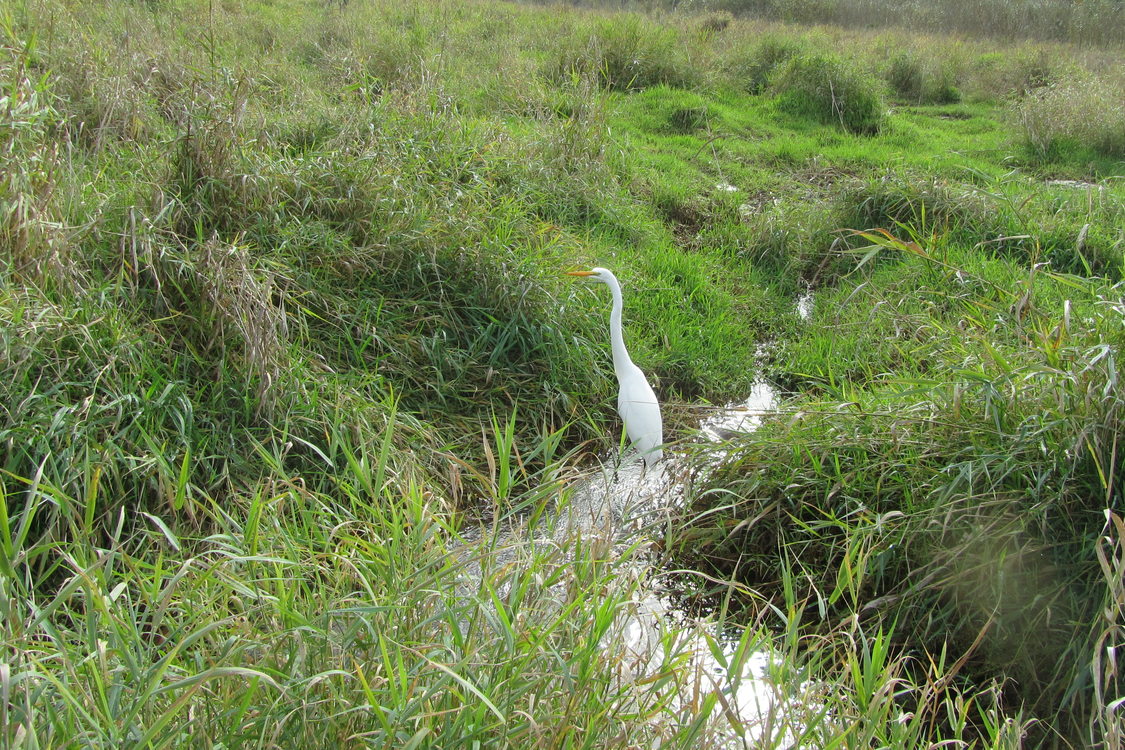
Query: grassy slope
[
  {"x": 944, "y": 472},
  {"x": 281, "y": 288}
]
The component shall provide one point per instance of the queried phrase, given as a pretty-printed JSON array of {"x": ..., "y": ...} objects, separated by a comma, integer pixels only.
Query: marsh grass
[
  {"x": 1075, "y": 115},
  {"x": 35, "y": 245},
  {"x": 626, "y": 54},
  {"x": 949, "y": 481},
  {"x": 1091, "y": 23},
  {"x": 754, "y": 64},
  {"x": 830, "y": 90},
  {"x": 304, "y": 618},
  {"x": 916, "y": 79},
  {"x": 282, "y": 315},
  {"x": 358, "y": 613}
]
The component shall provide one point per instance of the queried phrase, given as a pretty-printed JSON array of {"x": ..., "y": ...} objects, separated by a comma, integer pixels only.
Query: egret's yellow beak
[{"x": 579, "y": 273}]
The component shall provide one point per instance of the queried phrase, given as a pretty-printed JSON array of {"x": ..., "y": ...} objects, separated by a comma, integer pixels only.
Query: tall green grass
[
  {"x": 301, "y": 617},
  {"x": 1054, "y": 120},
  {"x": 32, "y": 239},
  {"x": 1088, "y": 23},
  {"x": 282, "y": 310},
  {"x": 831, "y": 91},
  {"x": 950, "y": 476}
]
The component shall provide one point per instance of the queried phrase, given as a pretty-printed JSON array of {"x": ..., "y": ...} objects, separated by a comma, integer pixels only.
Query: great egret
[{"x": 636, "y": 403}]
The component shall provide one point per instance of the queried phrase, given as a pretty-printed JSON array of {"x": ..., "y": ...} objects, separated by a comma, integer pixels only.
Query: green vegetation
[
  {"x": 1091, "y": 22},
  {"x": 951, "y": 469},
  {"x": 828, "y": 90},
  {"x": 1056, "y": 119},
  {"x": 282, "y": 315}
]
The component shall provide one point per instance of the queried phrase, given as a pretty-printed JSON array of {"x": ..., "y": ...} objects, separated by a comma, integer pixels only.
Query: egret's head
[{"x": 594, "y": 274}]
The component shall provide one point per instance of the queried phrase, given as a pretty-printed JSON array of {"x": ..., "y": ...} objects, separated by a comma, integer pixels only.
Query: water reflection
[
  {"x": 656, "y": 635},
  {"x": 805, "y": 304},
  {"x": 621, "y": 506},
  {"x": 741, "y": 417}
]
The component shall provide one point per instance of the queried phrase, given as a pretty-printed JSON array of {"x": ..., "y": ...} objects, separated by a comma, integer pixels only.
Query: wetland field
[{"x": 300, "y": 412}]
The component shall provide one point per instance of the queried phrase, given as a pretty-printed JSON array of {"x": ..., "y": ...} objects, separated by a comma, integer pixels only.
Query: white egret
[{"x": 636, "y": 402}]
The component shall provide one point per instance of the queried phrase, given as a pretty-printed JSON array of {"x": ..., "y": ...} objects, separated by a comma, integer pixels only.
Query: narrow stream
[
  {"x": 636, "y": 500},
  {"x": 617, "y": 508}
]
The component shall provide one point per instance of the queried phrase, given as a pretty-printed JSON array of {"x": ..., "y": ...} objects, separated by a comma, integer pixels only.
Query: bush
[{"x": 831, "y": 90}]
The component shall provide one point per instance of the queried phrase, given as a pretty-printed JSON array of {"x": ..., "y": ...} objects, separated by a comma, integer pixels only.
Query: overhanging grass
[
  {"x": 281, "y": 299},
  {"x": 949, "y": 477}
]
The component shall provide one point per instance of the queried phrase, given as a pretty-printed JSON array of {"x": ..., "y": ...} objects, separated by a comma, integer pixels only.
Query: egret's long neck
[{"x": 617, "y": 341}]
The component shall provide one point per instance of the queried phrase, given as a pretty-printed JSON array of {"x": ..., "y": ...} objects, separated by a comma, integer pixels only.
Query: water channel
[{"x": 616, "y": 507}]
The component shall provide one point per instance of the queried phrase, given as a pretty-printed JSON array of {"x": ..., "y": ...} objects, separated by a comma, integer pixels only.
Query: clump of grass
[
  {"x": 689, "y": 119},
  {"x": 1073, "y": 115},
  {"x": 33, "y": 245},
  {"x": 831, "y": 90},
  {"x": 715, "y": 22},
  {"x": 950, "y": 477},
  {"x": 210, "y": 184},
  {"x": 1106, "y": 722},
  {"x": 1014, "y": 73},
  {"x": 242, "y": 314},
  {"x": 1011, "y": 218},
  {"x": 111, "y": 408},
  {"x": 927, "y": 206},
  {"x": 916, "y": 80},
  {"x": 752, "y": 64},
  {"x": 624, "y": 53},
  {"x": 109, "y": 94},
  {"x": 868, "y": 690}
]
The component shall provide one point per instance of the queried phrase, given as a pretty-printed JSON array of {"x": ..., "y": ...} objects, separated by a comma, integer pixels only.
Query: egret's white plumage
[{"x": 636, "y": 402}]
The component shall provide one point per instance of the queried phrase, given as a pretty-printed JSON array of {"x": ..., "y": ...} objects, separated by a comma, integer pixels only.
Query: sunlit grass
[
  {"x": 950, "y": 473},
  {"x": 294, "y": 382}
]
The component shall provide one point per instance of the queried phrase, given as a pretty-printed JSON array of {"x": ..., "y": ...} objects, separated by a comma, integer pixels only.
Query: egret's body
[{"x": 636, "y": 402}]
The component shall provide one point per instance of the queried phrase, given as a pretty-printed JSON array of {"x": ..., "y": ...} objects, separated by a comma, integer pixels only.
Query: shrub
[{"x": 831, "y": 90}]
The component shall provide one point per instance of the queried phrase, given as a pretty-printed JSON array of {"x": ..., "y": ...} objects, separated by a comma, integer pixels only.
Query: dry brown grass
[{"x": 1074, "y": 112}]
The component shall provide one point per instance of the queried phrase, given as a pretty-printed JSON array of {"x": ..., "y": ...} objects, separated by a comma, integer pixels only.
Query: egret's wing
[{"x": 640, "y": 411}]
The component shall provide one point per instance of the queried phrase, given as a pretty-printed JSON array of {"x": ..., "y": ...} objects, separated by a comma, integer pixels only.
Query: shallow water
[
  {"x": 653, "y": 630},
  {"x": 622, "y": 505}
]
